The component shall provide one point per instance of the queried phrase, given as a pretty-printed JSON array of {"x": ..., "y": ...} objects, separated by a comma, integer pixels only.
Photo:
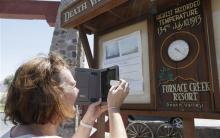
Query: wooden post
[
  {"x": 100, "y": 127},
  {"x": 188, "y": 128},
  {"x": 125, "y": 119},
  {"x": 86, "y": 47}
]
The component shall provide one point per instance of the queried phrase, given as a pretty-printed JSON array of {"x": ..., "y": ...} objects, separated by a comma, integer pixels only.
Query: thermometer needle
[{"x": 179, "y": 51}]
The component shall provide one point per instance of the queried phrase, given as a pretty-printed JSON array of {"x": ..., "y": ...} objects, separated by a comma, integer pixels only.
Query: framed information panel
[{"x": 124, "y": 47}]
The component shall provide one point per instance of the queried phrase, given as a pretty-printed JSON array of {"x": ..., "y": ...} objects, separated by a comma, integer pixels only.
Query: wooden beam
[
  {"x": 90, "y": 27},
  {"x": 27, "y": 9},
  {"x": 172, "y": 114},
  {"x": 188, "y": 128},
  {"x": 90, "y": 13},
  {"x": 215, "y": 94},
  {"x": 96, "y": 51},
  {"x": 86, "y": 47},
  {"x": 115, "y": 14},
  {"x": 100, "y": 133}
]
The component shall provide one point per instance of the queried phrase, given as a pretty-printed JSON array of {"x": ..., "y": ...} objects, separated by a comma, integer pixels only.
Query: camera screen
[{"x": 106, "y": 77}]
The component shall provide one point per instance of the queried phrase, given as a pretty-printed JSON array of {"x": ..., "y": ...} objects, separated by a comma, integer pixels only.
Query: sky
[{"x": 22, "y": 39}]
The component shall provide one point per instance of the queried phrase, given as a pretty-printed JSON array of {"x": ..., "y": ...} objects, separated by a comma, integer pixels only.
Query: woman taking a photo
[{"x": 42, "y": 95}]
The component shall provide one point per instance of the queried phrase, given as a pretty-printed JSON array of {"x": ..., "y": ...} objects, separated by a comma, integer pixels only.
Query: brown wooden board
[
  {"x": 107, "y": 14},
  {"x": 210, "y": 42},
  {"x": 86, "y": 47},
  {"x": 182, "y": 59},
  {"x": 83, "y": 10},
  {"x": 172, "y": 114},
  {"x": 130, "y": 11}
]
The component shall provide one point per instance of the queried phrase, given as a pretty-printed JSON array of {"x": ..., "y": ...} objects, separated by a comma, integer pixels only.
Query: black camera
[{"x": 94, "y": 83}]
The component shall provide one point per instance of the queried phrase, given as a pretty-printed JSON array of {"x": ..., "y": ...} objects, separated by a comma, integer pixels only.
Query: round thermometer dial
[{"x": 178, "y": 50}]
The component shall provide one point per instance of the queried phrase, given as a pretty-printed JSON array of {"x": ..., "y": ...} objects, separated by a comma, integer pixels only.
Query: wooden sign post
[{"x": 165, "y": 46}]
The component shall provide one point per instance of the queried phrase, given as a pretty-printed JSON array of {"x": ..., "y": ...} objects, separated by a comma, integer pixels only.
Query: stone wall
[{"x": 66, "y": 42}]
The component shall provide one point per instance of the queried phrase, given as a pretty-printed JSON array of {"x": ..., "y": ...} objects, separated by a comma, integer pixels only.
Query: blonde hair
[{"x": 34, "y": 96}]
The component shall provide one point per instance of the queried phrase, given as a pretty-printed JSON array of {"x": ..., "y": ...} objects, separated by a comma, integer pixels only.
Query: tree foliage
[{"x": 8, "y": 80}]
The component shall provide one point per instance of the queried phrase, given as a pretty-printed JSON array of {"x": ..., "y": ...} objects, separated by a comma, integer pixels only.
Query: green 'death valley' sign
[
  {"x": 84, "y": 10},
  {"x": 81, "y": 7}
]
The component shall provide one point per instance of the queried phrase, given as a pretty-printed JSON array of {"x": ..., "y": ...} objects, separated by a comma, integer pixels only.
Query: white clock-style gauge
[{"x": 178, "y": 50}]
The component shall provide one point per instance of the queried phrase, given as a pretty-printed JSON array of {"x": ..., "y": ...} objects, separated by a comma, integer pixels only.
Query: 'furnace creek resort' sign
[{"x": 182, "y": 65}]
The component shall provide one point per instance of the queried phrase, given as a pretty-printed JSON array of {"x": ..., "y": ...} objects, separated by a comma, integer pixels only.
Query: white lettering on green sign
[{"x": 79, "y": 9}]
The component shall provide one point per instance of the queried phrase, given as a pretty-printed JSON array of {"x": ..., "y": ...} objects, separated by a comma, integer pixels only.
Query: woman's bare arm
[
  {"x": 93, "y": 112},
  {"x": 117, "y": 129},
  {"x": 116, "y": 97}
]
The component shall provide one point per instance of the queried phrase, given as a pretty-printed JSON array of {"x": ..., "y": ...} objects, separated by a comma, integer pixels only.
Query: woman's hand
[
  {"x": 117, "y": 94},
  {"x": 93, "y": 112}
]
